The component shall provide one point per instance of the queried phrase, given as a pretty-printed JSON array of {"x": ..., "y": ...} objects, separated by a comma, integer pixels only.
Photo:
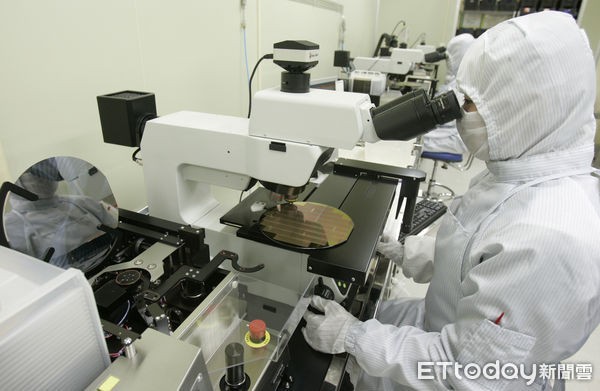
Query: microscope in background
[{"x": 394, "y": 68}]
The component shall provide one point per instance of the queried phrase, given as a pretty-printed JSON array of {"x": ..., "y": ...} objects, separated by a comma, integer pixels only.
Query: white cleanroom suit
[
  {"x": 445, "y": 138},
  {"x": 516, "y": 274}
]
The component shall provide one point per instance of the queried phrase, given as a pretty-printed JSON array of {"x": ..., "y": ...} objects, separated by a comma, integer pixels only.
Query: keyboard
[{"x": 426, "y": 212}]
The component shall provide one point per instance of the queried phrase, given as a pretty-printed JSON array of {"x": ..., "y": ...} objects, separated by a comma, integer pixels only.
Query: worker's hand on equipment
[
  {"x": 391, "y": 249},
  {"x": 327, "y": 333}
]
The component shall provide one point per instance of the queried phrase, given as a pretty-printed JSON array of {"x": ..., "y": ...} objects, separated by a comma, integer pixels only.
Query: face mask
[{"x": 473, "y": 132}]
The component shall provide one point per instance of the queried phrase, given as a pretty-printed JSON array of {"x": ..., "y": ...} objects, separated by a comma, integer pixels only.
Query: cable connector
[{"x": 243, "y": 19}]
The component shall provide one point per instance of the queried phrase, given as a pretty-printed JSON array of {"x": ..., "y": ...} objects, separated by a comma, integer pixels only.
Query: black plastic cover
[
  {"x": 123, "y": 114},
  {"x": 341, "y": 58},
  {"x": 296, "y": 45}
]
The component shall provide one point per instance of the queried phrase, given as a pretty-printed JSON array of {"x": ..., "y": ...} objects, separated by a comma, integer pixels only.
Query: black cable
[
  {"x": 376, "y": 52},
  {"x": 134, "y": 155},
  {"x": 387, "y": 37},
  {"x": 266, "y": 56},
  {"x": 398, "y": 24}
]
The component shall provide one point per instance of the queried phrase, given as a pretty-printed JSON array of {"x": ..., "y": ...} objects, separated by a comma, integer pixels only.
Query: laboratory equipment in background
[
  {"x": 400, "y": 69},
  {"x": 477, "y": 16},
  {"x": 395, "y": 67}
]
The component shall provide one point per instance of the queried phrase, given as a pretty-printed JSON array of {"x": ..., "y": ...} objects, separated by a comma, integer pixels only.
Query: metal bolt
[
  {"x": 129, "y": 348},
  {"x": 310, "y": 268}
]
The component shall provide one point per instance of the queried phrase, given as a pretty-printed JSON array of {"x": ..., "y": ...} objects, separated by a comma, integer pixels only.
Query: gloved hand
[
  {"x": 391, "y": 249},
  {"x": 415, "y": 257},
  {"x": 419, "y": 252},
  {"x": 327, "y": 333}
]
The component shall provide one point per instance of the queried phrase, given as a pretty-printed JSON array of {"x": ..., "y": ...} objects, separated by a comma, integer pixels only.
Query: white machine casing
[
  {"x": 319, "y": 117},
  {"x": 400, "y": 61},
  {"x": 187, "y": 152},
  {"x": 301, "y": 56},
  {"x": 377, "y": 81},
  {"x": 50, "y": 333}
]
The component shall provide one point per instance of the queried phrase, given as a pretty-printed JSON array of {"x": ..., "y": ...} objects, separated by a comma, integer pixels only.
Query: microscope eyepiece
[
  {"x": 435, "y": 56},
  {"x": 414, "y": 114},
  {"x": 446, "y": 107}
]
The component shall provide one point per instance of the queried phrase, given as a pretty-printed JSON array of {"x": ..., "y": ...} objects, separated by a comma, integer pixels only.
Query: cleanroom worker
[{"x": 516, "y": 262}]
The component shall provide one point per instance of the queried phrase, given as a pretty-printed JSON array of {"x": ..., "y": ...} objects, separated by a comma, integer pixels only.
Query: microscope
[{"x": 285, "y": 153}]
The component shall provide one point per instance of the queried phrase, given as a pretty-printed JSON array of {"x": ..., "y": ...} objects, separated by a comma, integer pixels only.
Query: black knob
[
  {"x": 234, "y": 359},
  {"x": 323, "y": 290}
]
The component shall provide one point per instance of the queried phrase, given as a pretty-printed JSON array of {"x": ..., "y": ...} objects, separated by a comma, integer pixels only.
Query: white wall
[
  {"x": 58, "y": 55},
  {"x": 434, "y": 17}
]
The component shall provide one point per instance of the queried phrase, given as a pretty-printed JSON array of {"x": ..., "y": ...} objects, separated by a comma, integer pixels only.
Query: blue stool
[{"x": 445, "y": 158}]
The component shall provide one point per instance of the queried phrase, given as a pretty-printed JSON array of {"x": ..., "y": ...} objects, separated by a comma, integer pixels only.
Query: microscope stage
[{"x": 364, "y": 199}]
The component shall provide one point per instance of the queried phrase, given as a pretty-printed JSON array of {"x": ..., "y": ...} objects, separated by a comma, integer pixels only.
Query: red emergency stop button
[{"x": 257, "y": 330}]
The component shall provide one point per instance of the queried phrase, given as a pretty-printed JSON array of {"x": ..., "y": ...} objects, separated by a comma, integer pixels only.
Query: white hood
[
  {"x": 533, "y": 81},
  {"x": 456, "y": 49}
]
